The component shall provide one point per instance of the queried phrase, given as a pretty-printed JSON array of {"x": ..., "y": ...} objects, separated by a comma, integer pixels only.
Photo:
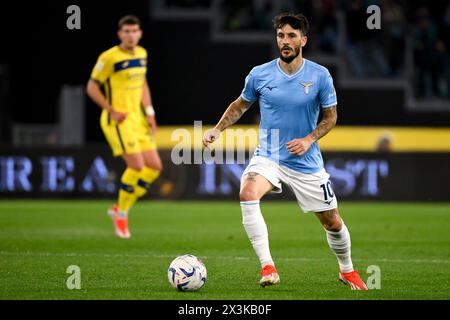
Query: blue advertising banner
[{"x": 91, "y": 172}]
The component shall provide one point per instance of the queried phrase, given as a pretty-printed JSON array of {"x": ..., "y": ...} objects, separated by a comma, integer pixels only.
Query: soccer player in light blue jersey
[{"x": 291, "y": 91}]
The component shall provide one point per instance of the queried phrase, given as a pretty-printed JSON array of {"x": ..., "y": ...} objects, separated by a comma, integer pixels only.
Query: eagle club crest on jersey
[{"x": 306, "y": 86}]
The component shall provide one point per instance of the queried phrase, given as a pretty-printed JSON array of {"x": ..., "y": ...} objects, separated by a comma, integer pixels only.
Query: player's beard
[{"x": 289, "y": 58}]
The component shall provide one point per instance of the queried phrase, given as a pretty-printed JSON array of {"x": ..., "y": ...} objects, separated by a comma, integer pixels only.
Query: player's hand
[
  {"x": 119, "y": 117},
  {"x": 211, "y": 136},
  {"x": 152, "y": 122},
  {"x": 299, "y": 146}
]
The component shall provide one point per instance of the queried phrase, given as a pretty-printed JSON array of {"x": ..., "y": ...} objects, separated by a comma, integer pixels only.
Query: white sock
[
  {"x": 256, "y": 229},
  {"x": 340, "y": 244}
]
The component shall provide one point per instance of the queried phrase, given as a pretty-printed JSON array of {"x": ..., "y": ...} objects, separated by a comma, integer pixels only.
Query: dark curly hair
[{"x": 296, "y": 21}]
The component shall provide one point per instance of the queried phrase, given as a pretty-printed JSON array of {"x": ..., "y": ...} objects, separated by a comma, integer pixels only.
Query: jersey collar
[
  {"x": 294, "y": 74},
  {"x": 127, "y": 52}
]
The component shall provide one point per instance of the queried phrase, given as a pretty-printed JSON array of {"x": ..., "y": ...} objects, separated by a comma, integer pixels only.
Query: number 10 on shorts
[{"x": 327, "y": 191}]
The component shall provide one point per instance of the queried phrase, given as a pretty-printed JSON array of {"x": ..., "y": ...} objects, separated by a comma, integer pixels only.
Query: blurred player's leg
[
  {"x": 150, "y": 172},
  {"x": 127, "y": 197},
  {"x": 253, "y": 188},
  {"x": 142, "y": 169}
]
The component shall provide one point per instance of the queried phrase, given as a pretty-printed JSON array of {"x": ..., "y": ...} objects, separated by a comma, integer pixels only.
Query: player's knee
[
  {"x": 158, "y": 167},
  {"x": 334, "y": 225},
  {"x": 155, "y": 165},
  {"x": 247, "y": 194}
]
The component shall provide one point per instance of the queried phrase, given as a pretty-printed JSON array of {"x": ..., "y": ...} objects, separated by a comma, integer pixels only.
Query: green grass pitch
[{"x": 40, "y": 239}]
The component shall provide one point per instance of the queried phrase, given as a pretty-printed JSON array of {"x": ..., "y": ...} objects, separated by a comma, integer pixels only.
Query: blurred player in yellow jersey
[{"x": 128, "y": 118}]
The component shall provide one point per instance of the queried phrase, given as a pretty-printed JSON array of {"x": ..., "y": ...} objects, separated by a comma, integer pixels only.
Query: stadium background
[{"x": 392, "y": 141}]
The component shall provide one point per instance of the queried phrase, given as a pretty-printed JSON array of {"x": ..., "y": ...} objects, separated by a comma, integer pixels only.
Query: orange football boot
[
  {"x": 353, "y": 279},
  {"x": 269, "y": 276},
  {"x": 121, "y": 225}
]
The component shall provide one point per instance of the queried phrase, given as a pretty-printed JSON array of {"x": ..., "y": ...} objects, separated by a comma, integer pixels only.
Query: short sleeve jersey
[{"x": 289, "y": 106}]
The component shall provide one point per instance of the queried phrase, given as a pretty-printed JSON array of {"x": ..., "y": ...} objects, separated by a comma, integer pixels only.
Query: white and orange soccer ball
[{"x": 187, "y": 273}]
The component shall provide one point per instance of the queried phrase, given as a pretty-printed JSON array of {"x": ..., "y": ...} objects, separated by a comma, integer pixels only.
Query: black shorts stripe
[
  {"x": 109, "y": 97},
  {"x": 120, "y": 138}
]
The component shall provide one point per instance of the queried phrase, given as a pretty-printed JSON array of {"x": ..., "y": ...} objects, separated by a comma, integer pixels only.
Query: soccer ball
[{"x": 187, "y": 273}]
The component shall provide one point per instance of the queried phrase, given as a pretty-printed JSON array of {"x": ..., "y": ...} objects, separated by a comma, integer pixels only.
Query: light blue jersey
[{"x": 289, "y": 106}]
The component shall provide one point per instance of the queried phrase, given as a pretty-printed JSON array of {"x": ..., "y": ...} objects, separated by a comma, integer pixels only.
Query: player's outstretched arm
[
  {"x": 300, "y": 146},
  {"x": 233, "y": 113}
]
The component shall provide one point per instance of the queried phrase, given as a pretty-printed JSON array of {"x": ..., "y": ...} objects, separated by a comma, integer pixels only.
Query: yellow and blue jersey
[{"x": 122, "y": 75}]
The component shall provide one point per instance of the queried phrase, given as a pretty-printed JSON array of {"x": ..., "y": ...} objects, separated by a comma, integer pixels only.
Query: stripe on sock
[
  {"x": 144, "y": 184},
  {"x": 126, "y": 187},
  {"x": 249, "y": 203}
]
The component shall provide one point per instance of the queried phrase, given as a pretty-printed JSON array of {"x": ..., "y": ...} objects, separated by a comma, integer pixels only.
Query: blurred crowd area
[
  {"x": 412, "y": 44},
  {"x": 187, "y": 3},
  {"x": 431, "y": 43}
]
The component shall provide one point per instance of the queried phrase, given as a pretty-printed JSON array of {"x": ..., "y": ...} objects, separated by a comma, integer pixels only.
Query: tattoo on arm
[
  {"x": 328, "y": 122},
  {"x": 233, "y": 113}
]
